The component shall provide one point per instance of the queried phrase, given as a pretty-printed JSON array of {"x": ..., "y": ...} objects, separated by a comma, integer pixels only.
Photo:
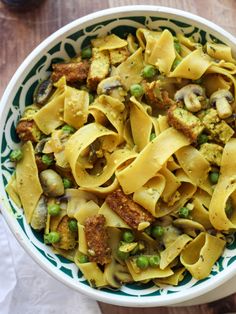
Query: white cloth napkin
[{"x": 25, "y": 288}]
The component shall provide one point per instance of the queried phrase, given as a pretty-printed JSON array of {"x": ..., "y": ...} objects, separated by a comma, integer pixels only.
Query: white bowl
[{"x": 63, "y": 44}]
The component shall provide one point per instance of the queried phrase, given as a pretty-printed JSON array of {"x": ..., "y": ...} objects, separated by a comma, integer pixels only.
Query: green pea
[
  {"x": 157, "y": 231},
  {"x": 47, "y": 160},
  {"x": 175, "y": 64},
  {"x": 16, "y": 155},
  {"x": 136, "y": 90},
  {"x": 68, "y": 129},
  {"x": 154, "y": 260},
  {"x": 152, "y": 136},
  {"x": 83, "y": 259},
  {"x": 229, "y": 208},
  {"x": 177, "y": 47},
  {"x": 54, "y": 209},
  {"x": 183, "y": 212},
  {"x": 149, "y": 71},
  {"x": 91, "y": 98},
  {"x": 72, "y": 224},
  {"x": 128, "y": 236},
  {"x": 86, "y": 53},
  {"x": 142, "y": 262},
  {"x": 52, "y": 237},
  {"x": 214, "y": 177},
  {"x": 67, "y": 183},
  {"x": 122, "y": 255},
  {"x": 202, "y": 138}
]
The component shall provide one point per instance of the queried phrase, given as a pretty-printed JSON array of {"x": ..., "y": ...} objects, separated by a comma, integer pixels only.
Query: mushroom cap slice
[
  {"x": 220, "y": 94},
  {"x": 189, "y": 89}
]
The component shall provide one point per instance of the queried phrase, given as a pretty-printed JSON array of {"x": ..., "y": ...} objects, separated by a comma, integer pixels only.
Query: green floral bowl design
[{"x": 63, "y": 45}]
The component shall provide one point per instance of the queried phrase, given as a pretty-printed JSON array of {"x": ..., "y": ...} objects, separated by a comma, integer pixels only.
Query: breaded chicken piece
[
  {"x": 132, "y": 213},
  {"x": 219, "y": 129},
  {"x": 97, "y": 239},
  {"x": 67, "y": 237},
  {"x": 185, "y": 122},
  {"x": 27, "y": 130},
  {"x": 74, "y": 72},
  {"x": 99, "y": 68}
]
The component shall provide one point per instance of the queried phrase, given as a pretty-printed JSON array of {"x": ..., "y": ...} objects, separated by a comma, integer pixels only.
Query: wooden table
[{"x": 20, "y": 32}]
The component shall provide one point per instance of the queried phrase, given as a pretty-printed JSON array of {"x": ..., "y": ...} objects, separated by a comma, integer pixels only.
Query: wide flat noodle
[
  {"x": 112, "y": 219},
  {"x": 79, "y": 141},
  {"x": 112, "y": 109},
  {"x": 76, "y": 107},
  {"x": 163, "y": 52},
  {"x": 11, "y": 189},
  {"x": 109, "y": 42},
  {"x": 27, "y": 180},
  {"x": 92, "y": 273},
  {"x": 148, "y": 195},
  {"x": 141, "y": 124},
  {"x": 219, "y": 52},
  {"x": 130, "y": 71},
  {"x": 193, "y": 66},
  {"x": 200, "y": 255},
  {"x": 50, "y": 116},
  {"x": 224, "y": 188},
  {"x": 172, "y": 251},
  {"x": 148, "y": 273},
  {"x": 153, "y": 156},
  {"x": 195, "y": 166}
]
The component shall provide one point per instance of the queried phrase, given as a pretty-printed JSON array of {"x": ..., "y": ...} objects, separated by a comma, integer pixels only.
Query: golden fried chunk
[
  {"x": 74, "y": 72},
  {"x": 27, "y": 130},
  {"x": 97, "y": 240},
  {"x": 219, "y": 129},
  {"x": 157, "y": 97},
  {"x": 99, "y": 68},
  {"x": 67, "y": 237},
  {"x": 132, "y": 213},
  {"x": 185, "y": 122}
]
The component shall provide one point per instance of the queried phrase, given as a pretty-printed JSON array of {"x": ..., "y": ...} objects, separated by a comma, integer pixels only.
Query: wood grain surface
[{"x": 20, "y": 32}]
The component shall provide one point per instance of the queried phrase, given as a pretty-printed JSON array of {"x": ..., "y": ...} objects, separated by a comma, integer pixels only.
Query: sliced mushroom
[
  {"x": 190, "y": 95},
  {"x": 52, "y": 183},
  {"x": 222, "y": 99},
  {"x": 39, "y": 217},
  {"x": 116, "y": 274},
  {"x": 43, "y": 92},
  {"x": 108, "y": 84}
]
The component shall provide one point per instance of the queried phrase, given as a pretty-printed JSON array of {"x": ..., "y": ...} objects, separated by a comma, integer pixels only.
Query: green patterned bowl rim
[{"x": 63, "y": 44}]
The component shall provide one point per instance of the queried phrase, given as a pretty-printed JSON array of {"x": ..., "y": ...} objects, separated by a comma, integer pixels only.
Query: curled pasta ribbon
[
  {"x": 163, "y": 52},
  {"x": 141, "y": 124},
  {"x": 220, "y": 52},
  {"x": 103, "y": 190},
  {"x": 111, "y": 109},
  {"x": 173, "y": 250},
  {"x": 145, "y": 36},
  {"x": 171, "y": 280},
  {"x": 153, "y": 156},
  {"x": 171, "y": 185},
  {"x": 148, "y": 195},
  {"x": 80, "y": 140},
  {"x": 193, "y": 66},
  {"x": 27, "y": 181},
  {"x": 213, "y": 82},
  {"x": 200, "y": 255},
  {"x": 195, "y": 166},
  {"x": 224, "y": 188}
]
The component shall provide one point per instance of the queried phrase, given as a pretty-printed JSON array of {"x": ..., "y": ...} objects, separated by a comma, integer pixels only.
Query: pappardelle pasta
[{"x": 127, "y": 164}]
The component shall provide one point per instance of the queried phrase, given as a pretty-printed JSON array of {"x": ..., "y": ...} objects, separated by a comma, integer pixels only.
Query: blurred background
[{"x": 23, "y": 27}]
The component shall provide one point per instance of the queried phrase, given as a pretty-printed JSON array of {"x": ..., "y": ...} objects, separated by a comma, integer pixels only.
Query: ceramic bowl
[{"x": 62, "y": 45}]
